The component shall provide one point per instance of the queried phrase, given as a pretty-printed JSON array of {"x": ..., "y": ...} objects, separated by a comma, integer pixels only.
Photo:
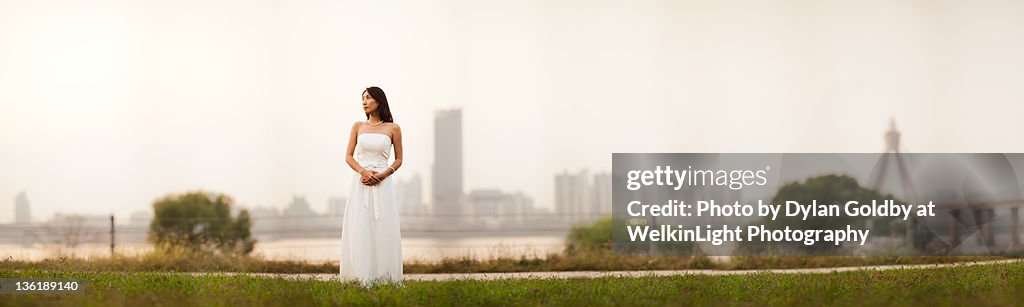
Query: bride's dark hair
[{"x": 382, "y": 109}]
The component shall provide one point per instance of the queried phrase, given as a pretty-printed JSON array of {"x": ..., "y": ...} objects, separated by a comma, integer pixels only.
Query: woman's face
[{"x": 369, "y": 104}]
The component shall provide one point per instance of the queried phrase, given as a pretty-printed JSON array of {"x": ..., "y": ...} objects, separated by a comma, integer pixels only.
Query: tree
[
  {"x": 201, "y": 220},
  {"x": 827, "y": 190},
  {"x": 66, "y": 232},
  {"x": 609, "y": 234}
]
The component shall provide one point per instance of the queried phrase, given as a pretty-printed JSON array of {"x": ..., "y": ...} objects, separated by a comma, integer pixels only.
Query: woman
[{"x": 371, "y": 241}]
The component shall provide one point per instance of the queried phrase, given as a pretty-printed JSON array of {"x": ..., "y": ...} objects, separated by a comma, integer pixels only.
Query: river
[{"x": 422, "y": 248}]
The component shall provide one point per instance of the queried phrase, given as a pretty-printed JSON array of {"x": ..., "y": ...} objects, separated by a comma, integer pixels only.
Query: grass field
[
  {"x": 180, "y": 260},
  {"x": 981, "y": 285}
]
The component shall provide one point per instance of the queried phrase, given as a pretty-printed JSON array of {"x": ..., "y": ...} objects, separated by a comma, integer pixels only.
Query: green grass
[
  {"x": 180, "y": 260},
  {"x": 980, "y": 285}
]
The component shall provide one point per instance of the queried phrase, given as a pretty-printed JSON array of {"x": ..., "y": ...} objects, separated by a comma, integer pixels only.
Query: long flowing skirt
[{"x": 371, "y": 238}]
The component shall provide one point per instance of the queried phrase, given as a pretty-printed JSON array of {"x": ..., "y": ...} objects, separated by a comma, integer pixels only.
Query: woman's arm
[
  {"x": 351, "y": 150},
  {"x": 397, "y": 142}
]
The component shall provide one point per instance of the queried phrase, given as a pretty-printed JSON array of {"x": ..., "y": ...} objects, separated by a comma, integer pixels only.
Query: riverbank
[{"x": 179, "y": 260}]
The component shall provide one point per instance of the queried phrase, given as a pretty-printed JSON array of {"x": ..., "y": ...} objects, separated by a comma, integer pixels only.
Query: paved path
[{"x": 593, "y": 274}]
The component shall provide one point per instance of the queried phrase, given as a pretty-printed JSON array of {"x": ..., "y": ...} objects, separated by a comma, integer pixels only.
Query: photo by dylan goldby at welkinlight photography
[{"x": 562, "y": 153}]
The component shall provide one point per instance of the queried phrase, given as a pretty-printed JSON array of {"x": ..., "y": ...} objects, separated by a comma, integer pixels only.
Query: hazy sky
[{"x": 106, "y": 105}]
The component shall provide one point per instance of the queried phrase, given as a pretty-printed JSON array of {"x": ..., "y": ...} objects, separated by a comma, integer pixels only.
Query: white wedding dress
[{"x": 371, "y": 239}]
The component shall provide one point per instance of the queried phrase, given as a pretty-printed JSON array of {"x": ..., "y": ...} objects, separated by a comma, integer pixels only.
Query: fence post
[{"x": 111, "y": 235}]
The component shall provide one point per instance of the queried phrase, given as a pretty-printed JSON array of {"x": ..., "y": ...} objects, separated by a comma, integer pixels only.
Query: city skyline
[
  {"x": 451, "y": 204},
  {"x": 108, "y": 107}
]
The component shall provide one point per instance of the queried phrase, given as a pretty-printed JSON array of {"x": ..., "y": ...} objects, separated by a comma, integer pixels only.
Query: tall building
[
  {"x": 299, "y": 219},
  {"x": 336, "y": 206},
  {"x": 447, "y": 169},
  {"x": 335, "y": 211},
  {"x": 299, "y": 208},
  {"x": 409, "y": 193},
  {"x": 573, "y": 196},
  {"x": 492, "y": 208},
  {"x": 22, "y": 211},
  {"x": 602, "y": 203},
  {"x": 266, "y": 221}
]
